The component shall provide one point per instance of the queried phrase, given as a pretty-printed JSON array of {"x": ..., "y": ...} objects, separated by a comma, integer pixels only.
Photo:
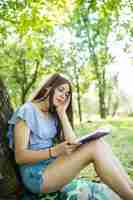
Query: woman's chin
[{"x": 56, "y": 104}]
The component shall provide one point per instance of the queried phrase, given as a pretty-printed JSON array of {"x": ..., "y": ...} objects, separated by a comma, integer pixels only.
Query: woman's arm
[
  {"x": 25, "y": 155},
  {"x": 21, "y": 140},
  {"x": 67, "y": 128}
]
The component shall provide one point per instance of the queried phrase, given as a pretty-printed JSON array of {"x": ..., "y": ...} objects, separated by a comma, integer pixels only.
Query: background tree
[
  {"x": 29, "y": 50},
  {"x": 92, "y": 23},
  {"x": 25, "y": 31}
]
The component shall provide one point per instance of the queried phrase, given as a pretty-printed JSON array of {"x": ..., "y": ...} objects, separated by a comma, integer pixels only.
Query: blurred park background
[{"x": 91, "y": 43}]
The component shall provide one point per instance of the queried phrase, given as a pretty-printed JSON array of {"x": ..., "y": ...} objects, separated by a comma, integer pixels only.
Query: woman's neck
[{"x": 43, "y": 106}]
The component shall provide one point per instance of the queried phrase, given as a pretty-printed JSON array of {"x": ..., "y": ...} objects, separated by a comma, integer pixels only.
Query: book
[{"x": 98, "y": 133}]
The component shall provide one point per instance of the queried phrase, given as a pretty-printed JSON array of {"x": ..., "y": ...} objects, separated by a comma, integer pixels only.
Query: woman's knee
[
  {"x": 89, "y": 150},
  {"x": 95, "y": 144},
  {"x": 95, "y": 147}
]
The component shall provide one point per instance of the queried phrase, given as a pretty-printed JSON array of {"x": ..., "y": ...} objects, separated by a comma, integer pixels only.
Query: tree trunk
[
  {"x": 8, "y": 178},
  {"x": 78, "y": 92},
  {"x": 102, "y": 93},
  {"x": 102, "y": 106},
  {"x": 78, "y": 100},
  {"x": 5, "y": 109}
]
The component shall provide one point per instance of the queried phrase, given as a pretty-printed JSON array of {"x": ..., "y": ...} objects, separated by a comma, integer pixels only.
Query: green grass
[{"x": 121, "y": 141}]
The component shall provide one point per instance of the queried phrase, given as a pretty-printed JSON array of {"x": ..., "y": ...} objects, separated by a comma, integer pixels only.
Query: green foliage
[
  {"x": 27, "y": 40},
  {"x": 24, "y": 46}
]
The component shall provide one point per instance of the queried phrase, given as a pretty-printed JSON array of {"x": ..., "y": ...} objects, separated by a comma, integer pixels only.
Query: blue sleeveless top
[{"x": 42, "y": 128}]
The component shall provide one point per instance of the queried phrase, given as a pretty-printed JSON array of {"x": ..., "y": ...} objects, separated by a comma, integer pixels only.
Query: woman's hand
[
  {"x": 61, "y": 109},
  {"x": 64, "y": 148}
]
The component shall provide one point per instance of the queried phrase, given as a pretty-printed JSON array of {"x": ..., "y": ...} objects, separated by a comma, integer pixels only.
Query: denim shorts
[{"x": 32, "y": 175}]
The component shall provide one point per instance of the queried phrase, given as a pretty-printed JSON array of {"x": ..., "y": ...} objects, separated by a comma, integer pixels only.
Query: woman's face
[{"x": 61, "y": 94}]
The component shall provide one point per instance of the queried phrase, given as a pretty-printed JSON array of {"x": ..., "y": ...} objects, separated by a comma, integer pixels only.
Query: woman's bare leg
[
  {"x": 119, "y": 165},
  {"x": 106, "y": 167},
  {"x": 123, "y": 172},
  {"x": 65, "y": 168}
]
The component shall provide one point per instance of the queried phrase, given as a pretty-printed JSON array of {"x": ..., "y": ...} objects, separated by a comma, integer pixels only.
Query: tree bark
[
  {"x": 6, "y": 109},
  {"x": 8, "y": 178}
]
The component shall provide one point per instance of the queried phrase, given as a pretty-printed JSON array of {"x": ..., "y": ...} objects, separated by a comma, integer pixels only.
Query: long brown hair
[{"x": 53, "y": 82}]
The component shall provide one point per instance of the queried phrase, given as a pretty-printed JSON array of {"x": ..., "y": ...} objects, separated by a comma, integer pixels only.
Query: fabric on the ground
[{"x": 78, "y": 189}]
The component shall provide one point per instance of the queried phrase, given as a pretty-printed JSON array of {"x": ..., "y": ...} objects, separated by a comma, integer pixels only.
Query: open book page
[{"x": 100, "y": 132}]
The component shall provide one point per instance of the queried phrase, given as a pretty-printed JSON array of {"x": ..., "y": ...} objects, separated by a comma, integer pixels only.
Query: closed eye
[{"x": 61, "y": 89}]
